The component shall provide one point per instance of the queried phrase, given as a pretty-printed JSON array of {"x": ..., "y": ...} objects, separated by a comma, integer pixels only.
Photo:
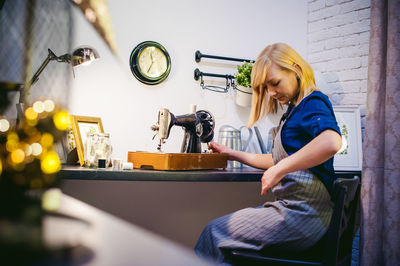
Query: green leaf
[{"x": 243, "y": 77}]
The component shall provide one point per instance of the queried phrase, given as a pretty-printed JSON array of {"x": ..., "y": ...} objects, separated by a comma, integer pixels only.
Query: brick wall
[{"x": 338, "y": 44}]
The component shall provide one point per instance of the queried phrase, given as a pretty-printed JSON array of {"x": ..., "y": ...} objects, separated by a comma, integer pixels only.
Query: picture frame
[
  {"x": 349, "y": 157},
  {"x": 81, "y": 125}
]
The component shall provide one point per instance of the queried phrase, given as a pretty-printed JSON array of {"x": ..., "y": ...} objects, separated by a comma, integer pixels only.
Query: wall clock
[{"x": 150, "y": 62}]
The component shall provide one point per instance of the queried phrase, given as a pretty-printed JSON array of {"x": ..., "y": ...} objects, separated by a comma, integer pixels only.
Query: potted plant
[{"x": 243, "y": 90}]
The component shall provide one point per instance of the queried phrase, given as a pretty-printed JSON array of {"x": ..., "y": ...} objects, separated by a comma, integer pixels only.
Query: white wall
[{"x": 128, "y": 108}]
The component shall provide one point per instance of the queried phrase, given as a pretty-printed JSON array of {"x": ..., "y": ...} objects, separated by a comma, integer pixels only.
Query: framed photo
[
  {"x": 349, "y": 157},
  {"x": 81, "y": 125}
]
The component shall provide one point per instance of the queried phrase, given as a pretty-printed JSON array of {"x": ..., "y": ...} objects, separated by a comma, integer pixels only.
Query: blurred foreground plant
[
  {"x": 28, "y": 166},
  {"x": 28, "y": 160}
]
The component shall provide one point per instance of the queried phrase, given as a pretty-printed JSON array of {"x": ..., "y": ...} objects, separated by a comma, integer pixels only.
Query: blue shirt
[{"x": 313, "y": 115}]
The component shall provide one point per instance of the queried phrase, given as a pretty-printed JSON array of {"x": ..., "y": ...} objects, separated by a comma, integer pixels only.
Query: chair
[{"x": 335, "y": 248}]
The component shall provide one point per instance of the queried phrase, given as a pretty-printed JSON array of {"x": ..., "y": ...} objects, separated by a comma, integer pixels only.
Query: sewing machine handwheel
[{"x": 208, "y": 122}]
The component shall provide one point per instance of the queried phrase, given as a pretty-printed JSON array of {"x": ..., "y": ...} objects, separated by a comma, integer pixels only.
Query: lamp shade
[{"x": 84, "y": 55}]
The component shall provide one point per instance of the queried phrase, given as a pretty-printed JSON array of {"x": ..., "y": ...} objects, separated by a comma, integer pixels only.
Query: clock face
[{"x": 150, "y": 62}]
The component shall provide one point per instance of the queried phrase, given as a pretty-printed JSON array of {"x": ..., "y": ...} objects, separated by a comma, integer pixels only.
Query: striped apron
[{"x": 296, "y": 220}]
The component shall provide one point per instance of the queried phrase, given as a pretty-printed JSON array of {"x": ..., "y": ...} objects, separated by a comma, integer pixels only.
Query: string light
[
  {"x": 30, "y": 114},
  {"x": 51, "y": 199},
  {"x": 4, "y": 125},
  {"x": 38, "y": 107},
  {"x": 17, "y": 156},
  {"x": 49, "y": 106},
  {"x": 12, "y": 141},
  {"x": 36, "y": 149},
  {"x": 47, "y": 140},
  {"x": 28, "y": 150},
  {"x": 50, "y": 163},
  {"x": 61, "y": 120},
  {"x": 27, "y": 156}
]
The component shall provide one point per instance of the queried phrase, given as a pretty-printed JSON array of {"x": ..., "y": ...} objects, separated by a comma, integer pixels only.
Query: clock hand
[
  {"x": 151, "y": 56},
  {"x": 150, "y": 66}
]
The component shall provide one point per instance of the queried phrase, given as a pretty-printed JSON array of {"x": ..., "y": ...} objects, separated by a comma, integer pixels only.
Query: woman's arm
[
  {"x": 261, "y": 161},
  {"x": 317, "y": 151}
]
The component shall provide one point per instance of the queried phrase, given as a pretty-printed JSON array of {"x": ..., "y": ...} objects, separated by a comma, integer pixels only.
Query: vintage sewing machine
[
  {"x": 199, "y": 128},
  {"x": 198, "y": 125}
]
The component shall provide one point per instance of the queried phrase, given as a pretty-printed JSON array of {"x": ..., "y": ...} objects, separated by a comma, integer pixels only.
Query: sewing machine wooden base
[{"x": 177, "y": 161}]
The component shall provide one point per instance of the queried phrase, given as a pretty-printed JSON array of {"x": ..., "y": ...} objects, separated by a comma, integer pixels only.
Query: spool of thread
[
  {"x": 127, "y": 166},
  {"x": 117, "y": 164},
  {"x": 102, "y": 163}
]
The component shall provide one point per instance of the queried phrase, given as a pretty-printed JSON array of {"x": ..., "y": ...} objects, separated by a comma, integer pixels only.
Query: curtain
[{"x": 380, "y": 195}]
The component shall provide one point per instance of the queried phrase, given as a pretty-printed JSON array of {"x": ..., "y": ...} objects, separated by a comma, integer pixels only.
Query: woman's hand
[
  {"x": 261, "y": 161},
  {"x": 270, "y": 178},
  {"x": 219, "y": 148}
]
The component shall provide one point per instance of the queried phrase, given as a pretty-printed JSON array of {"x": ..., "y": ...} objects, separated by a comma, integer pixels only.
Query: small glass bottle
[{"x": 97, "y": 146}]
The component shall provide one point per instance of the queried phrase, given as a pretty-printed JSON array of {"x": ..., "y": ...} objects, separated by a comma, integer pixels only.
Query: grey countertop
[{"x": 243, "y": 174}]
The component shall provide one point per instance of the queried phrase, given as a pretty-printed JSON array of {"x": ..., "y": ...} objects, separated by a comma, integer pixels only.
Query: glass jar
[{"x": 97, "y": 146}]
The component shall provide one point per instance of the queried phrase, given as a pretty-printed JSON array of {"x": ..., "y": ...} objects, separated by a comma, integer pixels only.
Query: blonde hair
[{"x": 286, "y": 58}]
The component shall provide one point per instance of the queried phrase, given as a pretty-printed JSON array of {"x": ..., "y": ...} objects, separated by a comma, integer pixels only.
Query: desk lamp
[{"x": 82, "y": 55}]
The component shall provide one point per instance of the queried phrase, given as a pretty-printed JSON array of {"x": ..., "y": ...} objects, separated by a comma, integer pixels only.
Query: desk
[
  {"x": 173, "y": 204},
  {"x": 245, "y": 174}
]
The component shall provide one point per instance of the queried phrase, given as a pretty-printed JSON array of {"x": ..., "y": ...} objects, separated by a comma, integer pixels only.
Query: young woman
[{"x": 299, "y": 171}]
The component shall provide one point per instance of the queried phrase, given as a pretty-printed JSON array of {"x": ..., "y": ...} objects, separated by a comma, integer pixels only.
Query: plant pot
[{"x": 243, "y": 96}]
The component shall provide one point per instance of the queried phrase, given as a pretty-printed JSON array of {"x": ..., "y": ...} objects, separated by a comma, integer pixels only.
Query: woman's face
[{"x": 281, "y": 84}]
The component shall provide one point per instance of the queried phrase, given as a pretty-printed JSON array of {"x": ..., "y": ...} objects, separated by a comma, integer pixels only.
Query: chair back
[{"x": 338, "y": 245}]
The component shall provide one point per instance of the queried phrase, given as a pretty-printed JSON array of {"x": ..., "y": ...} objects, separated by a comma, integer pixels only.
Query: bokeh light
[
  {"x": 30, "y": 114},
  {"x": 4, "y": 125},
  {"x": 46, "y": 140},
  {"x": 17, "y": 156},
  {"x": 38, "y": 107},
  {"x": 50, "y": 163},
  {"x": 49, "y": 106},
  {"x": 61, "y": 120},
  {"x": 28, "y": 150},
  {"x": 28, "y": 159},
  {"x": 51, "y": 199},
  {"x": 12, "y": 136},
  {"x": 36, "y": 149},
  {"x": 12, "y": 141}
]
